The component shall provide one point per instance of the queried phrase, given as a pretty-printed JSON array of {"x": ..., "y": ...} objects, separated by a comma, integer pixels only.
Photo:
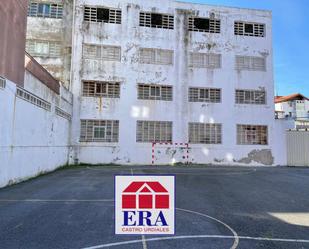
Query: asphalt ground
[{"x": 216, "y": 207}]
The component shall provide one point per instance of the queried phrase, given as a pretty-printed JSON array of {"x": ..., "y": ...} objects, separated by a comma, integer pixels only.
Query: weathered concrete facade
[
  {"x": 129, "y": 71},
  {"x": 51, "y": 31}
]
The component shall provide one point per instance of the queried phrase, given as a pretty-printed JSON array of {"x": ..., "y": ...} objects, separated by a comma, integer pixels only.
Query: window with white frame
[
  {"x": 105, "y": 15},
  {"x": 48, "y": 10},
  {"x": 101, "y": 52},
  {"x": 249, "y": 29},
  {"x": 2, "y": 82},
  {"x": 200, "y": 133},
  {"x": 250, "y": 63},
  {"x": 154, "y": 131},
  {"x": 250, "y": 97},
  {"x": 155, "y": 20},
  {"x": 156, "y": 56},
  {"x": 155, "y": 92},
  {"x": 99, "y": 131},
  {"x": 208, "y": 25},
  {"x": 200, "y": 94},
  {"x": 252, "y": 135},
  {"x": 43, "y": 48},
  {"x": 205, "y": 60},
  {"x": 105, "y": 89}
]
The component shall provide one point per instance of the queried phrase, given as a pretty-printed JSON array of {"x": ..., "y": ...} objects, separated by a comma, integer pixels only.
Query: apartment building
[
  {"x": 49, "y": 36},
  {"x": 170, "y": 82}
]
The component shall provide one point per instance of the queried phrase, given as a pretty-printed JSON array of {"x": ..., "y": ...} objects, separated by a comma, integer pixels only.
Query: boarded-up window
[
  {"x": 106, "y": 15},
  {"x": 154, "y": 131},
  {"x": 155, "y": 20},
  {"x": 101, "y": 89},
  {"x": 155, "y": 92},
  {"x": 43, "y": 48},
  {"x": 208, "y": 25},
  {"x": 156, "y": 56},
  {"x": 198, "y": 94},
  {"x": 250, "y": 63},
  {"x": 250, "y": 97},
  {"x": 252, "y": 135},
  {"x": 99, "y": 131},
  {"x": 48, "y": 10},
  {"x": 205, "y": 60},
  {"x": 249, "y": 29},
  {"x": 101, "y": 52},
  {"x": 200, "y": 133}
]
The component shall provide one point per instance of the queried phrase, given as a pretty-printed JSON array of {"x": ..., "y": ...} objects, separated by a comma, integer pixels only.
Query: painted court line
[{"x": 197, "y": 237}]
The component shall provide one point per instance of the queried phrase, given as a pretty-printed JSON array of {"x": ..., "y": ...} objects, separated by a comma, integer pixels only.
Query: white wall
[
  {"x": 128, "y": 109},
  {"x": 32, "y": 140}
]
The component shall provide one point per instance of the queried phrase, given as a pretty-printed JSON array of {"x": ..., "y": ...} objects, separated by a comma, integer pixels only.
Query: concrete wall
[
  {"x": 128, "y": 109},
  {"x": 32, "y": 139},
  {"x": 13, "y": 19}
]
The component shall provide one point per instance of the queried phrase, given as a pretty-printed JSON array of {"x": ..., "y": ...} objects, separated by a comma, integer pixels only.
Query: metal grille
[
  {"x": 204, "y": 60},
  {"x": 43, "y": 48},
  {"x": 250, "y": 97},
  {"x": 99, "y": 131},
  {"x": 33, "y": 99},
  {"x": 62, "y": 113},
  {"x": 252, "y": 134},
  {"x": 249, "y": 29},
  {"x": 49, "y": 10},
  {"x": 153, "y": 20},
  {"x": 156, "y": 56},
  {"x": 250, "y": 63},
  {"x": 155, "y": 92},
  {"x": 101, "y": 89},
  {"x": 205, "y": 133},
  {"x": 2, "y": 82},
  {"x": 154, "y": 131},
  {"x": 211, "y": 95},
  {"x": 204, "y": 25},
  {"x": 106, "y": 15},
  {"x": 101, "y": 52}
]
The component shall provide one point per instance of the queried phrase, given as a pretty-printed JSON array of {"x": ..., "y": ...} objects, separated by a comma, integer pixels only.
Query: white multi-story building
[{"x": 164, "y": 82}]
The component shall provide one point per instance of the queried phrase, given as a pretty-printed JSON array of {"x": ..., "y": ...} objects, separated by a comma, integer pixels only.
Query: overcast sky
[{"x": 291, "y": 40}]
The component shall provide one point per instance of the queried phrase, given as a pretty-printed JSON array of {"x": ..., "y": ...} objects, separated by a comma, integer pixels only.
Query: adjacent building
[{"x": 294, "y": 106}]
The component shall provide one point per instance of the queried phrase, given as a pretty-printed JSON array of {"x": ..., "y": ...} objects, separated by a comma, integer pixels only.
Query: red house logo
[{"x": 145, "y": 195}]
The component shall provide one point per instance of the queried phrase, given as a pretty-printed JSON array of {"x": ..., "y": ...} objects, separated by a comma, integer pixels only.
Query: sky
[{"x": 290, "y": 40}]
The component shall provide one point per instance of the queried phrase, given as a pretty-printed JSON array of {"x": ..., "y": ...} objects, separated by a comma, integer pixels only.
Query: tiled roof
[{"x": 295, "y": 96}]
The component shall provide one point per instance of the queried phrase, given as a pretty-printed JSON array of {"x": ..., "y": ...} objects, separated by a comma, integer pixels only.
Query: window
[
  {"x": 101, "y": 89},
  {"x": 250, "y": 63},
  {"x": 154, "y": 131},
  {"x": 252, "y": 134},
  {"x": 155, "y": 92},
  {"x": 203, "y": 60},
  {"x": 205, "y": 133},
  {"x": 250, "y": 97},
  {"x": 62, "y": 113},
  {"x": 43, "y": 48},
  {"x": 249, "y": 29},
  {"x": 211, "y": 95},
  {"x": 154, "y": 20},
  {"x": 105, "y": 15},
  {"x": 49, "y": 10},
  {"x": 204, "y": 25},
  {"x": 99, "y": 131},
  {"x": 98, "y": 52},
  {"x": 2, "y": 82},
  {"x": 33, "y": 99},
  {"x": 156, "y": 56}
]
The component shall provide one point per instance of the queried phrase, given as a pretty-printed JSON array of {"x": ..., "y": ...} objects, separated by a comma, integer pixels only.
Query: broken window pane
[
  {"x": 102, "y": 15},
  {"x": 200, "y": 23},
  {"x": 156, "y": 20}
]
